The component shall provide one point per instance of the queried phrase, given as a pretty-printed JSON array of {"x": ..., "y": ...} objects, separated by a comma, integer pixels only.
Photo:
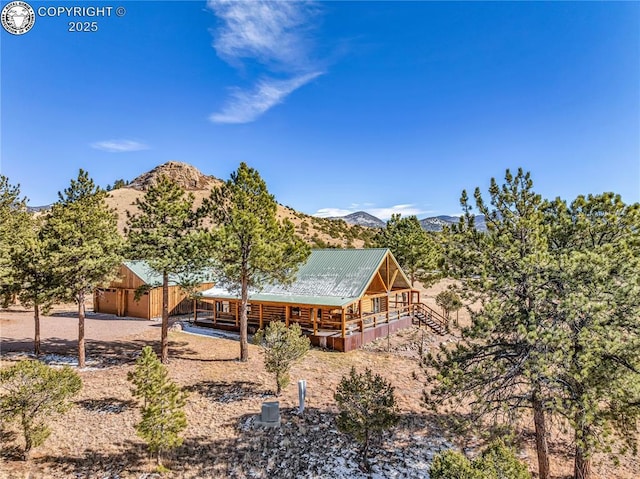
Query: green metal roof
[
  {"x": 152, "y": 277},
  {"x": 331, "y": 277}
]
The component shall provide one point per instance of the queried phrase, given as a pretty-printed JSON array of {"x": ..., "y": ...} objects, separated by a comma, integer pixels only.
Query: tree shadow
[
  {"x": 11, "y": 452},
  {"x": 227, "y": 392},
  {"x": 129, "y": 457},
  {"x": 109, "y": 405},
  {"x": 103, "y": 353}
]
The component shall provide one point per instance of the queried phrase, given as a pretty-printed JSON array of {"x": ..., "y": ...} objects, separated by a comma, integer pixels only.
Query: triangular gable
[{"x": 388, "y": 273}]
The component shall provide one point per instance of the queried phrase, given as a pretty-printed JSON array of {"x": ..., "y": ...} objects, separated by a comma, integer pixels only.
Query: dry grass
[{"x": 96, "y": 438}]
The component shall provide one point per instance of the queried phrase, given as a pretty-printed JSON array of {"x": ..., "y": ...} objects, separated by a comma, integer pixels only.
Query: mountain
[
  {"x": 361, "y": 218},
  {"x": 318, "y": 232},
  {"x": 185, "y": 175},
  {"x": 436, "y": 223}
]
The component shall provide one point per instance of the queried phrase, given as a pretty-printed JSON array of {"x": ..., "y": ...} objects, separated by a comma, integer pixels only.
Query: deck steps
[{"x": 423, "y": 314}]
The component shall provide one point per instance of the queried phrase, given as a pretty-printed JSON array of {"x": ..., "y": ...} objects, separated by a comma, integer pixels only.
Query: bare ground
[{"x": 96, "y": 438}]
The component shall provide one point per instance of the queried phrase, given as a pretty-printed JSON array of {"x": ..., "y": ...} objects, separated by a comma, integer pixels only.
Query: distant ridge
[
  {"x": 432, "y": 223},
  {"x": 361, "y": 218}
]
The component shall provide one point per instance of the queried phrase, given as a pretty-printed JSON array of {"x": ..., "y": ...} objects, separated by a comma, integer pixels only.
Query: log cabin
[
  {"x": 341, "y": 298},
  {"x": 119, "y": 297}
]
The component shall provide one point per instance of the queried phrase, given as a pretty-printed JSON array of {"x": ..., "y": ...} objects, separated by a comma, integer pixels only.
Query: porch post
[
  {"x": 260, "y": 315},
  {"x": 237, "y": 314},
  {"x": 344, "y": 324}
]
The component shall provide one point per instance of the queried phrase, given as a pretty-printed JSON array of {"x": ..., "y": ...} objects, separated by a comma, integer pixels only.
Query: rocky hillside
[
  {"x": 185, "y": 175},
  {"x": 318, "y": 232}
]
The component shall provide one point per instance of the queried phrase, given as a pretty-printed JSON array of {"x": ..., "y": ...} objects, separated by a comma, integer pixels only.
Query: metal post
[{"x": 302, "y": 391}]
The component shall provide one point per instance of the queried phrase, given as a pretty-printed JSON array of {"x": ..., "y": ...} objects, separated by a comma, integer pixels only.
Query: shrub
[
  {"x": 367, "y": 408},
  {"x": 32, "y": 393},
  {"x": 497, "y": 461},
  {"x": 282, "y": 347}
]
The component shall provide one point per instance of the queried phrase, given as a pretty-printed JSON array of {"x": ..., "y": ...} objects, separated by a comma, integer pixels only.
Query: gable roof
[
  {"x": 151, "y": 277},
  {"x": 330, "y": 277}
]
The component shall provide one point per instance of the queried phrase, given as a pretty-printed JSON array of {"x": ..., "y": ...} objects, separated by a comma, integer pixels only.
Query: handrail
[{"x": 431, "y": 313}]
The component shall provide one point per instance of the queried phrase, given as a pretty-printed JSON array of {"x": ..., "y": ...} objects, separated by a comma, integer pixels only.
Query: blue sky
[{"x": 384, "y": 107}]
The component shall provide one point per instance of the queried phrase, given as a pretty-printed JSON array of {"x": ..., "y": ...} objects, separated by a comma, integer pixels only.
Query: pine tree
[
  {"x": 13, "y": 217},
  {"x": 500, "y": 364},
  {"x": 163, "y": 417},
  {"x": 167, "y": 235},
  {"x": 85, "y": 245},
  {"x": 33, "y": 273},
  {"x": 596, "y": 243},
  {"x": 282, "y": 347},
  {"x": 415, "y": 249},
  {"x": 252, "y": 247},
  {"x": 367, "y": 408},
  {"x": 31, "y": 393}
]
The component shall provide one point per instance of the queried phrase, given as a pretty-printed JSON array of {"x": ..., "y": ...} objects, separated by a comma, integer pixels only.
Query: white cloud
[
  {"x": 246, "y": 106},
  {"x": 119, "y": 146},
  {"x": 383, "y": 213},
  {"x": 271, "y": 32},
  {"x": 328, "y": 212},
  {"x": 276, "y": 34}
]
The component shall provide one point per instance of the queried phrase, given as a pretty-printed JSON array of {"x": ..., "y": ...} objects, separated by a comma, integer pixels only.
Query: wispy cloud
[
  {"x": 275, "y": 34},
  {"x": 119, "y": 146},
  {"x": 246, "y": 106},
  {"x": 383, "y": 213}
]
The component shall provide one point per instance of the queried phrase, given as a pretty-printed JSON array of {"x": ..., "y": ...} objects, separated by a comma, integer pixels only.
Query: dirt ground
[{"x": 97, "y": 439}]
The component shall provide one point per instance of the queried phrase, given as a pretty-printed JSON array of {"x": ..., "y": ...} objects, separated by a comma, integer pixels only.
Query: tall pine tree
[
  {"x": 596, "y": 379},
  {"x": 84, "y": 243},
  {"x": 166, "y": 234},
  {"x": 252, "y": 248},
  {"x": 14, "y": 219},
  {"x": 34, "y": 275},
  {"x": 500, "y": 362}
]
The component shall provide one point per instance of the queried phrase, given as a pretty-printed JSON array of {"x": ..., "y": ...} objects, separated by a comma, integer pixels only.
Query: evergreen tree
[
  {"x": 163, "y": 417},
  {"x": 367, "y": 408},
  {"x": 282, "y": 347},
  {"x": 31, "y": 393},
  {"x": 414, "y": 248},
  {"x": 13, "y": 217},
  {"x": 33, "y": 273},
  {"x": 167, "y": 235},
  {"x": 596, "y": 381},
  {"x": 500, "y": 363},
  {"x": 449, "y": 301},
  {"x": 84, "y": 243},
  {"x": 252, "y": 248}
]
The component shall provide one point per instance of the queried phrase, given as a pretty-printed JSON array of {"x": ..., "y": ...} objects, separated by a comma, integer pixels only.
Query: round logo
[{"x": 18, "y": 17}]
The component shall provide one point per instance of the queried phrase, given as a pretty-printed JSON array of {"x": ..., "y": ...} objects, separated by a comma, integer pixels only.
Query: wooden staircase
[{"x": 423, "y": 314}]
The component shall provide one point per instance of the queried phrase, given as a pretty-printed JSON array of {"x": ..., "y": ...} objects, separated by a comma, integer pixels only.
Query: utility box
[{"x": 270, "y": 415}]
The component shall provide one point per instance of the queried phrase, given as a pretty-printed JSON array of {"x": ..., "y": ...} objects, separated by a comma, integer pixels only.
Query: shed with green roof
[{"x": 137, "y": 292}]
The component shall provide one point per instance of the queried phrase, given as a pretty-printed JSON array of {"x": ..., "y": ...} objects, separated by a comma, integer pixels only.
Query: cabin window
[
  {"x": 222, "y": 306},
  {"x": 295, "y": 312},
  {"x": 319, "y": 314},
  {"x": 248, "y": 309},
  {"x": 375, "y": 303}
]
